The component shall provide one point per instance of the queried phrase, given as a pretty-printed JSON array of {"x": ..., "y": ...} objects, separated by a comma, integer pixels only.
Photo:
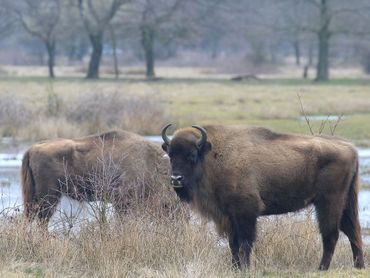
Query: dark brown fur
[
  {"x": 244, "y": 172},
  {"x": 71, "y": 167}
]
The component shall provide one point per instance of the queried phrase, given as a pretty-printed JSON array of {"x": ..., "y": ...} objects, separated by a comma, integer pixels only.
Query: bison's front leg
[
  {"x": 234, "y": 247},
  {"x": 244, "y": 227}
]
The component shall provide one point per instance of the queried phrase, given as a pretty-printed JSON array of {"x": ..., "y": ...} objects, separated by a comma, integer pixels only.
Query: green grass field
[{"x": 268, "y": 102}]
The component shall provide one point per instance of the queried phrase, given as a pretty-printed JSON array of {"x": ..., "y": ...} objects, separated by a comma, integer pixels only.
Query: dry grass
[
  {"x": 60, "y": 116},
  {"x": 201, "y": 99},
  {"x": 48, "y": 128},
  {"x": 13, "y": 115},
  {"x": 147, "y": 241},
  {"x": 140, "y": 245},
  {"x": 100, "y": 111}
]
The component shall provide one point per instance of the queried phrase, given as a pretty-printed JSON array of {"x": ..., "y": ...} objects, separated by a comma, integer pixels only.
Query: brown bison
[
  {"x": 117, "y": 165},
  {"x": 234, "y": 174}
]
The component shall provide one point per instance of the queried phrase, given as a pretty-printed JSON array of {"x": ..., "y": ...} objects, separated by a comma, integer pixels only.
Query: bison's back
[
  {"x": 124, "y": 157},
  {"x": 286, "y": 171}
]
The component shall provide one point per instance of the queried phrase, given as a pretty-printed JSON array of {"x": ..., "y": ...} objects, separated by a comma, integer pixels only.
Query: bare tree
[
  {"x": 323, "y": 18},
  {"x": 96, "y": 16},
  {"x": 333, "y": 18},
  {"x": 324, "y": 34},
  {"x": 7, "y": 21},
  {"x": 72, "y": 39},
  {"x": 40, "y": 18},
  {"x": 150, "y": 19},
  {"x": 113, "y": 37}
]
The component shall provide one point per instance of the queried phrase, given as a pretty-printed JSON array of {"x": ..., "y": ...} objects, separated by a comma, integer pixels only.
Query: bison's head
[{"x": 186, "y": 150}]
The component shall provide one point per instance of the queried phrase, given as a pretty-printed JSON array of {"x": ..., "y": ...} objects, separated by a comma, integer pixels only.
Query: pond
[{"x": 11, "y": 197}]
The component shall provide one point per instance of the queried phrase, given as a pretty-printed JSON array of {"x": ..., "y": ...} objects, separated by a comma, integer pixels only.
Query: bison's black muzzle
[{"x": 176, "y": 181}]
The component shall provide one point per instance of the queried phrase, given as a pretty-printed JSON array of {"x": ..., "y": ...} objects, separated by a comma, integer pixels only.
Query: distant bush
[
  {"x": 95, "y": 111},
  {"x": 43, "y": 128},
  {"x": 100, "y": 111},
  {"x": 366, "y": 62},
  {"x": 14, "y": 115},
  {"x": 143, "y": 115},
  {"x": 86, "y": 114}
]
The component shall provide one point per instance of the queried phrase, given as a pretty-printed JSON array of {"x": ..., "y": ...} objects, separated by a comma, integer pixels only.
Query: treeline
[{"x": 314, "y": 32}]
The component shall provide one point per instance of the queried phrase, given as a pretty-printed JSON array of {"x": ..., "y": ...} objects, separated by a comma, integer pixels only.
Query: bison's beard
[
  {"x": 184, "y": 193},
  {"x": 189, "y": 184}
]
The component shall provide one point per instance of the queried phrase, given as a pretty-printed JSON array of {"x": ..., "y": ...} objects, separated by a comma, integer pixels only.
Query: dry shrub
[
  {"x": 14, "y": 115},
  {"x": 286, "y": 242},
  {"x": 275, "y": 112},
  {"x": 338, "y": 107},
  {"x": 100, "y": 111},
  {"x": 96, "y": 111},
  {"x": 135, "y": 71},
  {"x": 144, "y": 116},
  {"x": 43, "y": 128},
  {"x": 293, "y": 243},
  {"x": 79, "y": 69},
  {"x": 148, "y": 245},
  {"x": 88, "y": 113},
  {"x": 109, "y": 70},
  {"x": 140, "y": 245}
]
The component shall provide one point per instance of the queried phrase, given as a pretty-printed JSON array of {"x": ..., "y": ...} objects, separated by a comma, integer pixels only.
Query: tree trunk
[
  {"x": 97, "y": 50},
  {"x": 50, "y": 47},
  {"x": 310, "y": 55},
  {"x": 148, "y": 45},
  {"x": 297, "y": 52},
  {"x": 322, "y": 73},
  {"x": 114, "y": 47},
  {"x": 305, "y": 71}
]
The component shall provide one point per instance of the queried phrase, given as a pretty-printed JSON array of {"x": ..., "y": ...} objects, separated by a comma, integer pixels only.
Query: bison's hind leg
[
  {"x": 42, "y": 210},
  {"x": 47, "y": 209},
  {"x": 350, "y": 225},
  {"x": 329, "y": 211}
]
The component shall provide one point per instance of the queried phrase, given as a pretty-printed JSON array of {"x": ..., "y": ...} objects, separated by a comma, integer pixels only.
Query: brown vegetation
[
  {"x": 141, "y": 245},
  {"x": 84, "y": 114}
]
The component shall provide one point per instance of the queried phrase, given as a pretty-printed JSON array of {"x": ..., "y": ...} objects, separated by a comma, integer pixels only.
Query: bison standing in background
[
  {"x": 117, "y": 166},
  {"x": 232, "y": 175}
]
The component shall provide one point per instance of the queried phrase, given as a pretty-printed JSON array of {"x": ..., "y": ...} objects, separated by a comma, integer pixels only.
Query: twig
[
  {"x": 304, "y": 114},
  {"x": 323, "y": 124},
  {"x": 332, "y": 129}
]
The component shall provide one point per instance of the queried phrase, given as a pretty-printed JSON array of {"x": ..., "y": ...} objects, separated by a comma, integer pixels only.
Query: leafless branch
[
  {"x": 323, "y": 124},
  {"x": 304, "y": 114},
  {"x": 333, "y": 128}
]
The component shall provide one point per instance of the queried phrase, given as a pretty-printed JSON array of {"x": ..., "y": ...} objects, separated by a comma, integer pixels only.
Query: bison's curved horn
[
  {"x": 164, "y": 135},
  {"x": 202, "y": 140}
]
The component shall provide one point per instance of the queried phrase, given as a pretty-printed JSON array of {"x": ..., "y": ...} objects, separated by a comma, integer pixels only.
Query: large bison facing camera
[{"x": 234, "y": 174}]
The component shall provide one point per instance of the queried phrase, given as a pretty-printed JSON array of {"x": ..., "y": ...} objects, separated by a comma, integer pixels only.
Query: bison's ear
[
  {"x": 165, "y": 147},
  {"x": 206, "y": 148}
]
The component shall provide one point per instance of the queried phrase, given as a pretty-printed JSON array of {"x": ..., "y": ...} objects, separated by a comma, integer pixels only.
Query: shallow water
[
  {"x": 322, "y": 118},
  {"x": 74, "y": 212}
]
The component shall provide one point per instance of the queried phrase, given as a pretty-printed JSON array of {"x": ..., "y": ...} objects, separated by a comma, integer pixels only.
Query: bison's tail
[
  {"x": 350, "y": 223},
  {"x": 351, "y": 209},
  {"x": 28, "y": 185}
]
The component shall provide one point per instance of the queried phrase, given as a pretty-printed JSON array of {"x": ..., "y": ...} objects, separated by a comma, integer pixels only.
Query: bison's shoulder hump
[{"x": 267, "y": 134}]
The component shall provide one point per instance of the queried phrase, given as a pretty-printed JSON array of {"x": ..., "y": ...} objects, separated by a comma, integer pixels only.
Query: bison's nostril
[{"x": 177, "y": 178}]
